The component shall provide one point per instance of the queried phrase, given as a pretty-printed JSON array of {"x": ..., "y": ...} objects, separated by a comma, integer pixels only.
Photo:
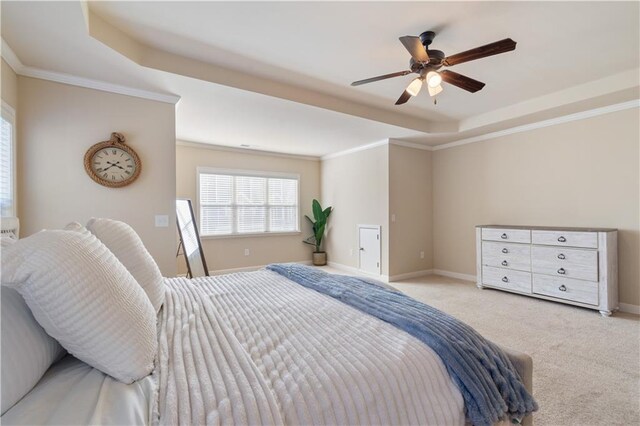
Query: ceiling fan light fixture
[
  {"x": 433, "y": 79},
  {"x": 414, "y": 87},
  {"x": 434, "y": 90}
]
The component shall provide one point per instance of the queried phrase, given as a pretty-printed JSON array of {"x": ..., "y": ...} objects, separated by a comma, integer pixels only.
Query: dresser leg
[{"x": 605, "y": 313}]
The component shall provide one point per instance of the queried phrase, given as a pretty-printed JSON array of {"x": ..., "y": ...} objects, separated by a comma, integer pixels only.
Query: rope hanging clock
[{"x": 112, "y": 163}]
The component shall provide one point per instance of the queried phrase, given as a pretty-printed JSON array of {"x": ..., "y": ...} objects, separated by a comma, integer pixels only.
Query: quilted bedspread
[{"x": 257, "y": 348}]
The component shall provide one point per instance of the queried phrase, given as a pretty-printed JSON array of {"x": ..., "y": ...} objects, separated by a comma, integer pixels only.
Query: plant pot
[{"x": 319, "y": 258}]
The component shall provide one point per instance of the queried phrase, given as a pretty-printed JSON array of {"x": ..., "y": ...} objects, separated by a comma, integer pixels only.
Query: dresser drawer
[
  {"x": 581, "y": 264},
  {"x": 566, "y": 288},
  {"x": 508, "y": 235},
  {"x": 506, "y": 255},
  {"x": 565, "y": 238},
  {"x": 506, "y": 279}
]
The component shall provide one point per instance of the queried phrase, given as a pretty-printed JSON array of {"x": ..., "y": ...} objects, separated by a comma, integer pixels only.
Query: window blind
[
  {"x": 236, "y": 203},
  {"x": 6, "y": 168}
]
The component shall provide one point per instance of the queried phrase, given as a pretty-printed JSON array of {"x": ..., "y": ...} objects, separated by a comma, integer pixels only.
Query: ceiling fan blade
[
  {"x": 403, "y": 98},
  {"x": 415, "y": 47},
  {"x": 461, "y": 81},
  {"x": 381, "y": 77},
  {"x": 490, "y": 49}
]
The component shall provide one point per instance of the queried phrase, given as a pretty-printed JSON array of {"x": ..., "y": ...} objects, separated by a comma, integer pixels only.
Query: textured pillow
[
  {"x": 75, "y": 226},
  {"x": 125, "y": 243},
  {"x": 7, "y": 241},
  {"x": 27, "y": 350},
  {"x": 85, "y": 299}
]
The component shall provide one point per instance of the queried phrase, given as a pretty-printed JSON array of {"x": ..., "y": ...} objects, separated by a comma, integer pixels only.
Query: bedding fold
[{"x": 490, "y": 385}]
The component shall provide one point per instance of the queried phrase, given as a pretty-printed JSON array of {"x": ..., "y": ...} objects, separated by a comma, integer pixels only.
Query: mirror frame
[{"x": 195, "y": 227}]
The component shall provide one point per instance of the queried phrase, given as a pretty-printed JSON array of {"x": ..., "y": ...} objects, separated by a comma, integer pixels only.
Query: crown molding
[
  {"x": 542, "y": 124},
  {"x": 513, "y": 130},
  {"x": 413, "y": 145},
  {"x": 88, "y": 83},
  {"x": 375, "y": 145},
  {"x": 11, "y": 58},
  {"x": 356, "y": 149},
  {"x": 19, "y": 68},
  {"x": 246, "y": 151}
]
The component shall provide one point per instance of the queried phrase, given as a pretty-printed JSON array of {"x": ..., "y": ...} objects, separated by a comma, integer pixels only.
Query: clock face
[{"x": 114, "y": 165}]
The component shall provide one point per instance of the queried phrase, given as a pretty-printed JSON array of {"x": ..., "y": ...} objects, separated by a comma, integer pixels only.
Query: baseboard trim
[
  {"x": 457, "y": 275},
  {"x": 249, "y": 268},
  {"x": 356, "y": 271},
  {"x": 409, "y": 275},
  {"x": 629, "y": 308}
]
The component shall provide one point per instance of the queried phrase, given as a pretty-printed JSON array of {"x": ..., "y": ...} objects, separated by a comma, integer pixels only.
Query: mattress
[{"x": 73, "y": 393}]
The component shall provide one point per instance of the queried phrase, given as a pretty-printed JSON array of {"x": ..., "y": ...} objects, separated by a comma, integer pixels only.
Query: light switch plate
[{"x": 162, "y": 221}]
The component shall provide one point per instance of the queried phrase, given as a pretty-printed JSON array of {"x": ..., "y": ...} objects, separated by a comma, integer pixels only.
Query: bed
[{"x": 259, "y": 348}]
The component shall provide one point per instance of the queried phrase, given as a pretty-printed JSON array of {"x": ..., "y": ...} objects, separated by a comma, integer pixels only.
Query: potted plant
[{"x": 318, "y": 226}]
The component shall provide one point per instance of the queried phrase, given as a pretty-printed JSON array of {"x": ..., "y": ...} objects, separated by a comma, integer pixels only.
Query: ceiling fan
[{"x": 427, "y": 64}]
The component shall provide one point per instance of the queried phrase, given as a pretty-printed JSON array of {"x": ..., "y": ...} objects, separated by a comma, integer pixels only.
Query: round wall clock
[{"x": 112, "y": 163}]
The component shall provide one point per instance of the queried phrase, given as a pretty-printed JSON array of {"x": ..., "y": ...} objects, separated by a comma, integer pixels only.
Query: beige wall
[
  {"x": 583, "y": 173},
  {"x": 9, "y": 88},
  {"x": 410, "y": 200},
  {"x": 57, "y": 123},
  {"x": 357, "y": 186},
  {"x": 228, "y": 253}
]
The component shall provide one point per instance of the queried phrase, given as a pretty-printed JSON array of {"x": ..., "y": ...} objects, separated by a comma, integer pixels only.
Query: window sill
[{"x": 258, "y": 234}]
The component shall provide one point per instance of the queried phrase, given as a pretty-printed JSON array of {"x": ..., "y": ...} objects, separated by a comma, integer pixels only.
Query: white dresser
[{"x": 578, "y": 266}]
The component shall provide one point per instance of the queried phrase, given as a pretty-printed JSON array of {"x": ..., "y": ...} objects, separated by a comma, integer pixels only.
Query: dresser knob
[
  {"x": 504, "y": 263},
  {"x": 562, "y": 288},
  {"x": 561, "y": 256},
  {"x": 561, "y": 271},
  {"x": 503, "y": 236},
  {"x": 504, "y": 250},
  {"x": 505, "y": 279},
  {"x": 562, "y": 239}
]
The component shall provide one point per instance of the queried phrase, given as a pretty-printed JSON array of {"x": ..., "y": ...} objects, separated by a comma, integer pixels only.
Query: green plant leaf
[
  {"x": 317, "y": 210},
  {"x": 310, "y": 220},
  {"x": 319, "y": 236},
  {"x": 327, "y": 212}
]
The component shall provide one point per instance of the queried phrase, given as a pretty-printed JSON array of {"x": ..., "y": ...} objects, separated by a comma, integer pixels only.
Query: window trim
[
  {"x": 242, "y": 172},
  {"x": 9, "y": 113}
]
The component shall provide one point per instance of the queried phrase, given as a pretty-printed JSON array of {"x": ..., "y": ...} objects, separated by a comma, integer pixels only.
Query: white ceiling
[{"x": 322, "y": 47}]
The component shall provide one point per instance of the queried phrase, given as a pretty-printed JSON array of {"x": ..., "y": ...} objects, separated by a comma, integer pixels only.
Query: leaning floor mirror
[{"x": 190, "y": 243}]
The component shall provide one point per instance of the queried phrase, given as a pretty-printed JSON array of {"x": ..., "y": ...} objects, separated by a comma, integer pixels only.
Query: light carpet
[{"x": 586, "y": 368}]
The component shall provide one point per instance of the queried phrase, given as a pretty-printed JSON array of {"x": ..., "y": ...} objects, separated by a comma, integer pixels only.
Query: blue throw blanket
[{"x": 489, "y": 383}]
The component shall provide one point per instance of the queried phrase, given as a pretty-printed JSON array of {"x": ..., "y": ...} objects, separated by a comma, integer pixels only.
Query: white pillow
[
  {"x": 86, "y": 299},
  {"x": 27, "y": 350},
  {"x": 75, "y": 226},
  {"x": 125, "y": 243},
  {"x": 6, "y": 240}
]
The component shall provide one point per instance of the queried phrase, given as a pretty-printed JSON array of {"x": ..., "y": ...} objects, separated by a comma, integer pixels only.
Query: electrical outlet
[
  {"x": 162, "y": 221},
  {"x": 246, "y": 252},
  {"x": 421, "y": 255},
  {"x": 393, "y": 217}
]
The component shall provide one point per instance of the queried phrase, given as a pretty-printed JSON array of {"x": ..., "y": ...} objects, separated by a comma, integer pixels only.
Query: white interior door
[{"x": 369, "y": 242}]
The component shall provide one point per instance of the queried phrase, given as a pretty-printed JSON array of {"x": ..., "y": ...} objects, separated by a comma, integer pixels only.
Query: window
[
  {"x": 235, "y": 202},
  {"x": 7, "y": 162}
]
